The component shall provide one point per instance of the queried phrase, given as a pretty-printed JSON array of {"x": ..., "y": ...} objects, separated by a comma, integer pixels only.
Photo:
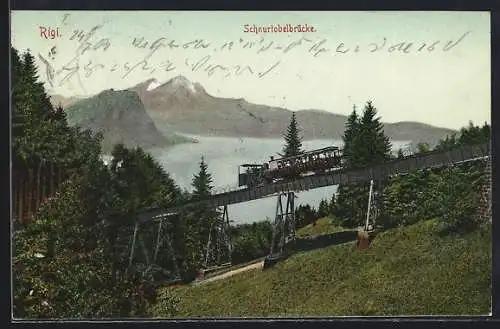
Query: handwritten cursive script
[{"x": 91, "y": 45}]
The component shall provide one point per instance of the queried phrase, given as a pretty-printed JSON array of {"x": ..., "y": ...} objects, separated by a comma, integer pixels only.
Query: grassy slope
[
  {"x": 322, "y": 226},
  {"x": 407, "y": 271}
]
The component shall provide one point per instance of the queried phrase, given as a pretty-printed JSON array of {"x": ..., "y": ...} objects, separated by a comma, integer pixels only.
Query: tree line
[
  {"x": 449, "y": 193},
  {"x": 45, "y": 150}
]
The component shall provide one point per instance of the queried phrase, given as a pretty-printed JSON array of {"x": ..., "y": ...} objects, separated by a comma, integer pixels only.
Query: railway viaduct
[{"x": 284, "y": 224}]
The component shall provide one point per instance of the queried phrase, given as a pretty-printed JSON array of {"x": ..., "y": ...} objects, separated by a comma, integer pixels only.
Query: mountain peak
[
  {"x": 180, "y": 79},
  {"x": 181, "y": 82},
  {"x": 152, "y": 84}
]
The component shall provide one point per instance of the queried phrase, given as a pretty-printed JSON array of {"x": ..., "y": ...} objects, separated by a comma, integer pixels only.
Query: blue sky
[{"x": 443, "y": 88}]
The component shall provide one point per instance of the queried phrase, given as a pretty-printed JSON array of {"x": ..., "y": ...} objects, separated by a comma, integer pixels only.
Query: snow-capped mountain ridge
[{"x": 180, "y": 105}]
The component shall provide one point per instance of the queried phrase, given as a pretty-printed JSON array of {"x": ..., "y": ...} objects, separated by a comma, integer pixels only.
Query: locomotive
[{"x": 309, "y": 163}]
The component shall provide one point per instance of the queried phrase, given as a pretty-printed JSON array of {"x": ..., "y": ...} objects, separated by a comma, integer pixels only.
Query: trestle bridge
[{"x": 284, "y": 223}]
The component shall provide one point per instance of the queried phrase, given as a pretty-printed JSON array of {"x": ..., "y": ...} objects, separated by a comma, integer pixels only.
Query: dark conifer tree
[
  {"x": 16, "y": 67},
  {"x": 202, "y": 182},
  {"x": 400, "y": 154},
  {"x": 202, "y": 219},
  {"x": 35, "y": 98},
  {"x": 365, "y": 144},
  {"x": 323, "y": 209},
  {"x": 350, "y": 138},
  {"x": 373, "y": 145},
  {"x": 293, "y": 140},
  {"x": 17, "y": 117},
  {"x": 486, "y": 132},
  {"x": 332, "y": 205}
]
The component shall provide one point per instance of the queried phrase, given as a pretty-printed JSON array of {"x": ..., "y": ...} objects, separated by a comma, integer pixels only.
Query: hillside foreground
[{"x": 414, "y": 270}]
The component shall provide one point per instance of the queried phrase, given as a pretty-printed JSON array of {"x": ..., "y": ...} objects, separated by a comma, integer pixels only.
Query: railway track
[{"x": 393, "y": 168}]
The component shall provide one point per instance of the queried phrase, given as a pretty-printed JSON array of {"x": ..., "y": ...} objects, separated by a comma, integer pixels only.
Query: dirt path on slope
[{"x": 254, "y": 266}]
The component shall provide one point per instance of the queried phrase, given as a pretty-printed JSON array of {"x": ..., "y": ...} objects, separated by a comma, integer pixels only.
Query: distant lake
[{"x": 223, "y": 155}]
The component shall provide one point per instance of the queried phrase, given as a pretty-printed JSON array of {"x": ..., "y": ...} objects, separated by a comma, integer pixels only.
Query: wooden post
[
  {"x": 136, "y": 228},
  {"x": 369, "y": 205},
  {"x": 282, "y": 224},
  {"x": 157, "y": 242},
  {"x": 208, "y": 245}
]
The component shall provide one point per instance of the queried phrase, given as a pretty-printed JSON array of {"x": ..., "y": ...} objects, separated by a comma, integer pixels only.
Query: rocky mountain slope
[
  {"x": 121, "y": 118},
  {"x": 65, "y": 102},
  {"x": 183, "y": 106}
]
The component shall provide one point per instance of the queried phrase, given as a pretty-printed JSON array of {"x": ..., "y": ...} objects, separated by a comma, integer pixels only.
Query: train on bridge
[{"x": 313, "y": 162}]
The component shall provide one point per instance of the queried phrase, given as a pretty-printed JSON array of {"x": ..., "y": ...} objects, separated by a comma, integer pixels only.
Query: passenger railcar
[{"x": 308, "y": 163}]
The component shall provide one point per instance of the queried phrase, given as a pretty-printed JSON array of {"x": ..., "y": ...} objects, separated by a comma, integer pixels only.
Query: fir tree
[
  {"x": 374, "y": 146},
  {"x": 365, "y": 144},
  {"x": 17, "y": 117},
  {"x": 400, "y": 154},
  {"x": 293, "y": 140},
  {"x": 202, "y": 218},
  {"x": 59, "y": 114},
  {"x": 448, "y": 143},
  {"x": 473, "y": 135},
  {"x": 202, "y": 182},
  {"x": 15, "y": 67},
  {"x": 323, "y": 209},
  {"x": 350, "y": 138},
  {"x": 486, "y": 132},
  {"x": 332, "y": 206},
  {"x": 34, "y": 97}
]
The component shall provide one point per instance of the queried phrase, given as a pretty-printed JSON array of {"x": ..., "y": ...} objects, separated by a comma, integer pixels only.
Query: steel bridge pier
[
  {"x": 284, "y": 223},
  {"x": 157, "y": 238},
  {"x": 219, "y": 243}
]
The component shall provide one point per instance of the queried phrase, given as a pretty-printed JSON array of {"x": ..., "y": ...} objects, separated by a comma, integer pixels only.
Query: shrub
[{"x": 448, "y": 193}]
